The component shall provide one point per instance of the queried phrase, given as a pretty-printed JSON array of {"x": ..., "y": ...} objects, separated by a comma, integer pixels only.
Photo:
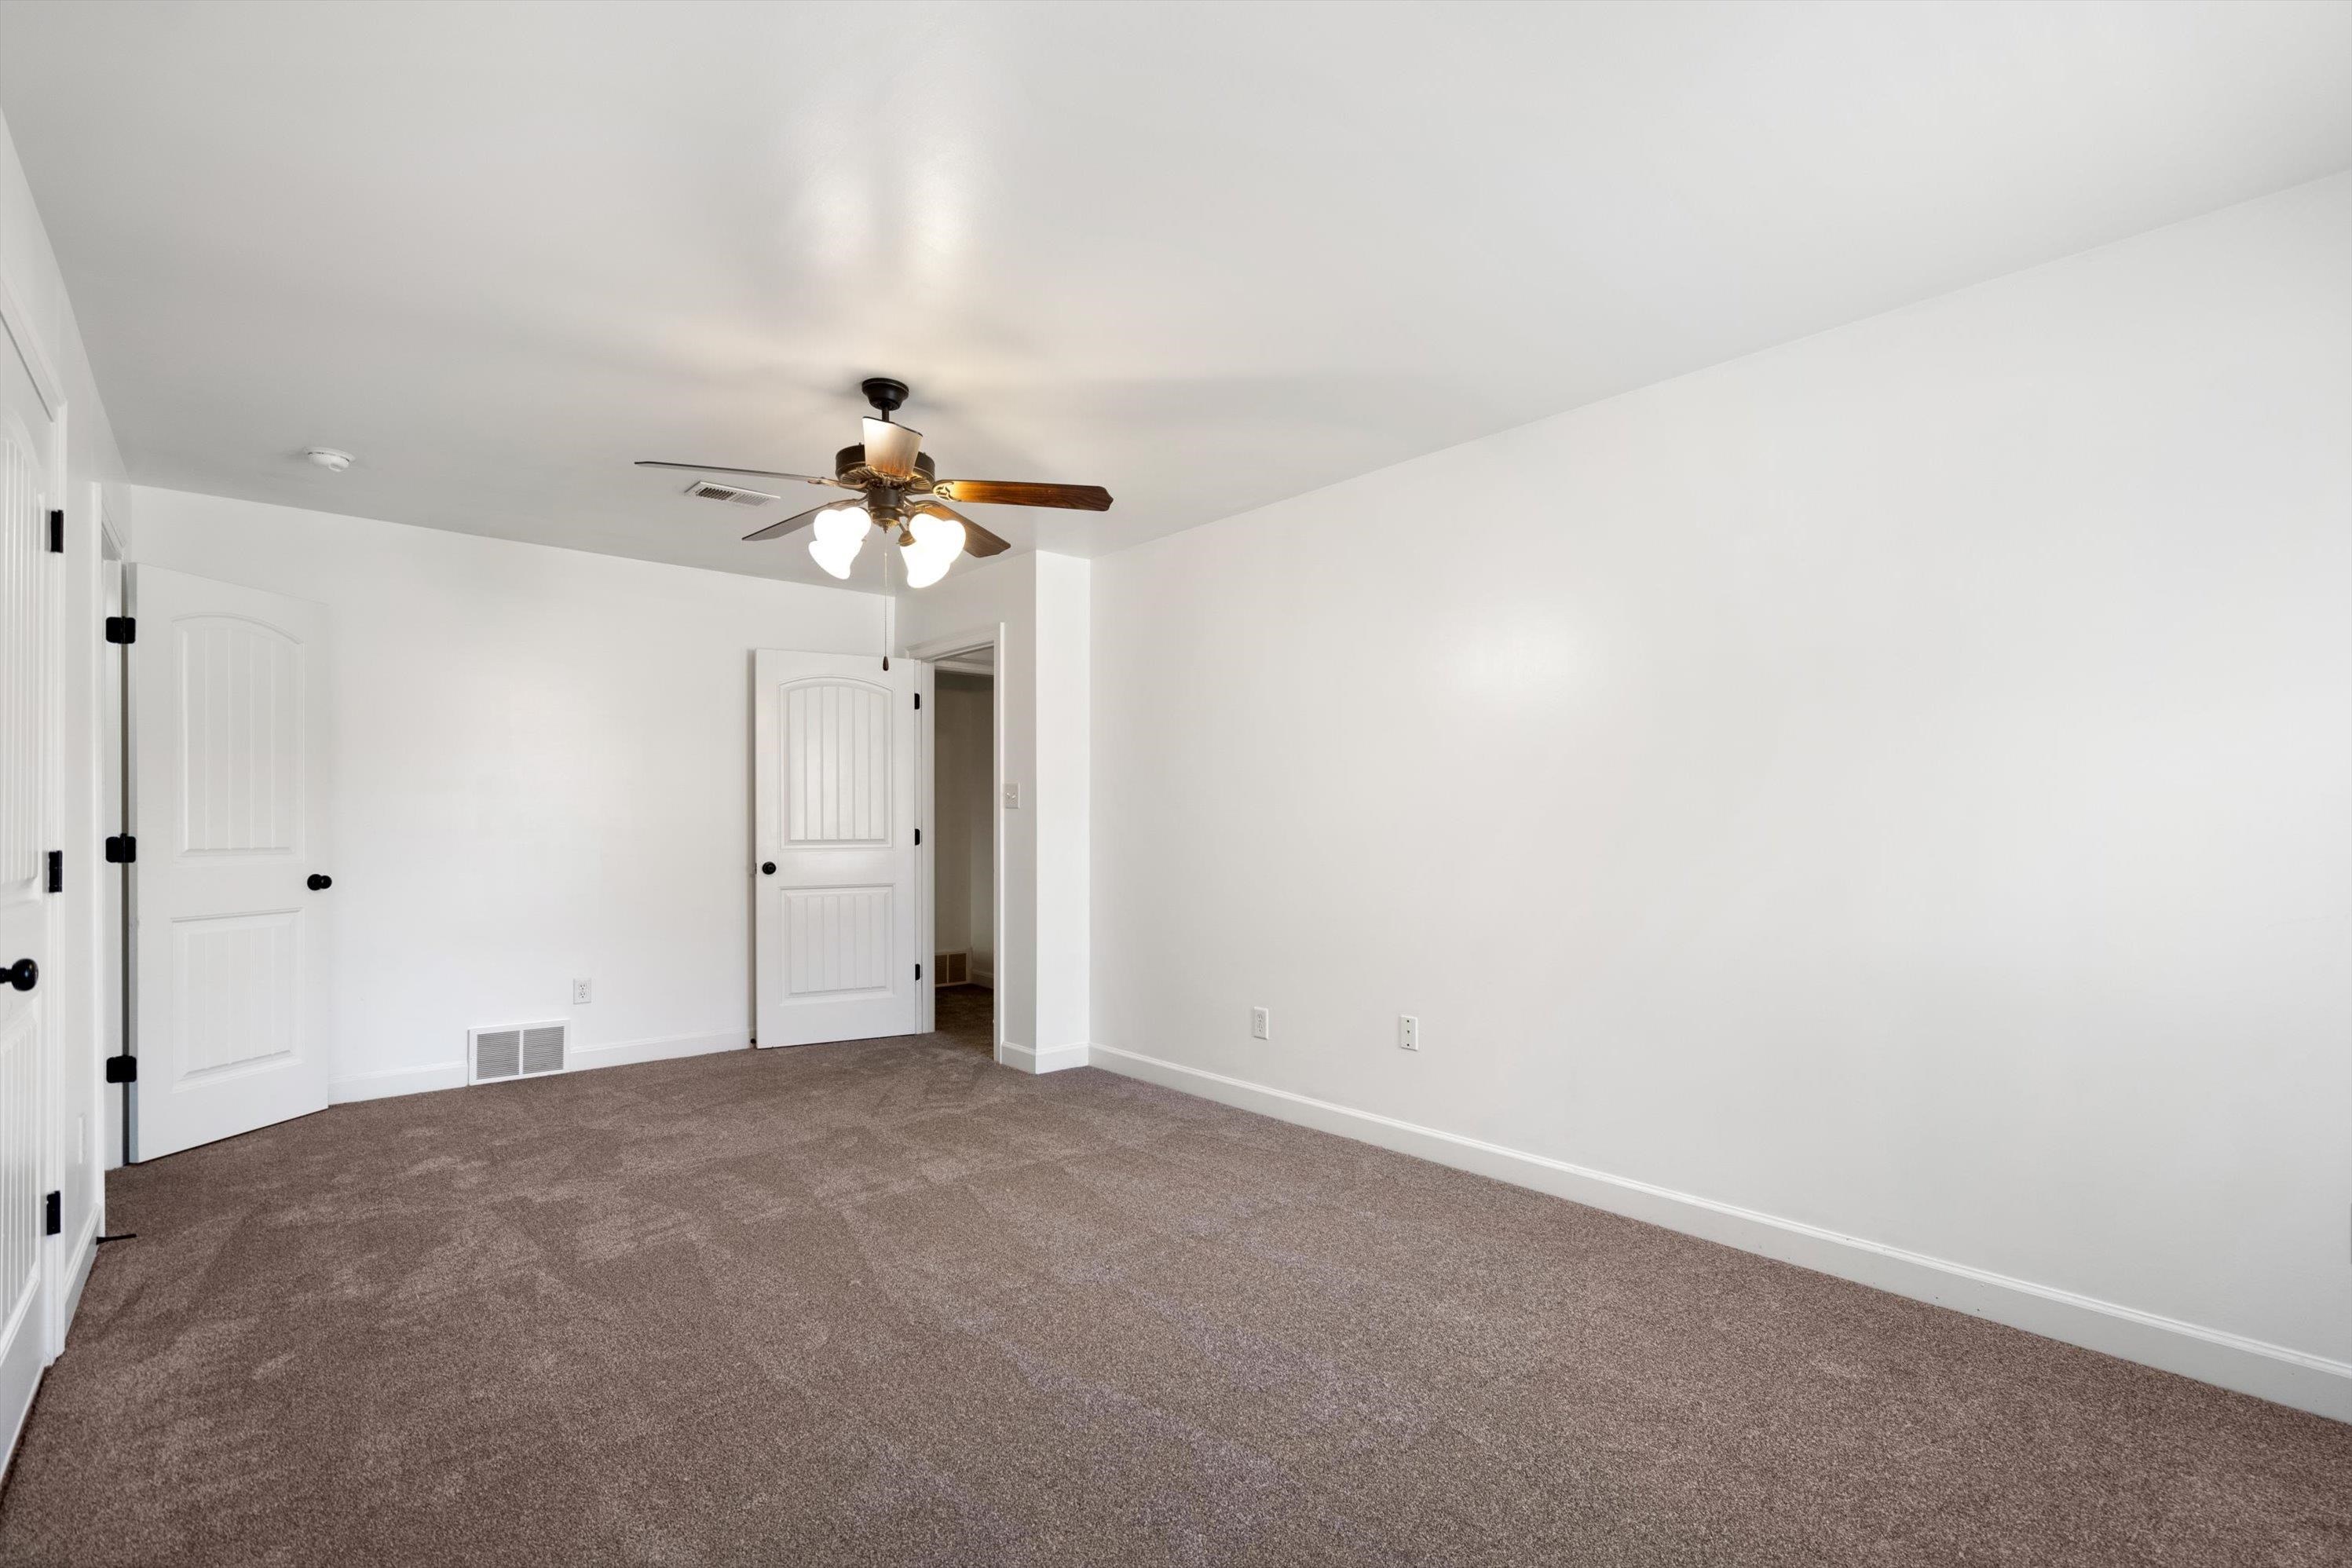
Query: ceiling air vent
[
  {"x": 707, "y": 490},
  {"x": 516, "y": 1051}
]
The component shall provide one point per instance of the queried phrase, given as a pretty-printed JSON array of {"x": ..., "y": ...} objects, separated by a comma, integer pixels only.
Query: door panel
[
  {"x": 230, "y": 742},
  {"x": 237, "y": 1003},
  {"x": 240, "y": 691},
  {"x": 839, "y": 940},
  {"x": 28, "y": 433},
  {"x": 837, "y": 789},
  {"x": 837, "y": 744}
]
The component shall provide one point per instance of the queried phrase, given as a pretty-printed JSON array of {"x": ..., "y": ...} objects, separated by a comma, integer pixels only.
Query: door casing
[{"x": 939, "y": 650}]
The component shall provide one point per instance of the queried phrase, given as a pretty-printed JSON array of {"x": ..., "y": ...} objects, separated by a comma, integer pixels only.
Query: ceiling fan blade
[
  {"x": 762, "y": 473},
  {"x": 1003, "y": 493},
  {"x": 890, "y": 448},
  {"x": 977, "y": 540},
  {"x": 798, "y": 521}
]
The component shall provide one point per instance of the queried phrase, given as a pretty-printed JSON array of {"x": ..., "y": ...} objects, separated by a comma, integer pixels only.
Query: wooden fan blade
[
  {"x": 977, "y": 540},
  {"x": 798, "y": 521},
  {"x": 762, "y": 473},
  {"x": 890, "y": 448},
  {"x": 1003, "y": 493}
]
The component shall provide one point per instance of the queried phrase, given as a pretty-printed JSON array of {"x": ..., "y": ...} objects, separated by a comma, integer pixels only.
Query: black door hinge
[
  {"x": 57, "y": 533},
  {"x": 918, "y": 971},
  {"x": 57, "y": 871},
  {"x": 918, "y": 835},
  {"x": 122, "y": 629},
  {"x": 124, "y": 1069},
  {"x": 121, "y": 849},
  {"x": 919, "y": 699},
  {"x": 53, "y": 1214}
]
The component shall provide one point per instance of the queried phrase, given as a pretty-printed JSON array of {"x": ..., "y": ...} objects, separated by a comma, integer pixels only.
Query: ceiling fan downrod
[{"x": 887, "y": 396}]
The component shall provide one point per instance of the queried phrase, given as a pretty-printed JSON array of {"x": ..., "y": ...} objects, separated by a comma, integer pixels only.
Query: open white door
[
  {"x": 228, "y": 733},
  {"x": 836, "y": 746},
  {"x": 28, "y": 978}
]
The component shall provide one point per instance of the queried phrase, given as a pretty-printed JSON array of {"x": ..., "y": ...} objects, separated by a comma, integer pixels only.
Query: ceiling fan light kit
[{"x": 903, "y": 495}]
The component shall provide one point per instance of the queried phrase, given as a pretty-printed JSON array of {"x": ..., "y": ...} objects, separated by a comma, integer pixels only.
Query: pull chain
[{"x": 885, "y": 597}]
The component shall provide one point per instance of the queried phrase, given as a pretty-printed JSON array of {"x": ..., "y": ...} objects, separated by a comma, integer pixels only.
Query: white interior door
[
  {"x": 29, "y": 980},
  {"x": 233, "y": 885},
  {"x": 837, "y": 748}
]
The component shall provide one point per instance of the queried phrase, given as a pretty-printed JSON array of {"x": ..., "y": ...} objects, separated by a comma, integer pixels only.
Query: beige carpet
[
  {"x": 966, "y": 1016},
  {"x": 890, "y": 1303}
]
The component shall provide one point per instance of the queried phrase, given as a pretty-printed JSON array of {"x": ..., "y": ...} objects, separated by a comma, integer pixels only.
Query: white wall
[
  {"x": 89, "y": 486},
  {"x": 1894, "y": 789},
  {"x": 542, "y": 772},
  {"x": 1064, "y": 805},
  {"x": 964, "y": 817}
]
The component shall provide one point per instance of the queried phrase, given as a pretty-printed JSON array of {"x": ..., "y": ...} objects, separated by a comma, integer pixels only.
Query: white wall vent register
[{"x": 516, "y": 1051}]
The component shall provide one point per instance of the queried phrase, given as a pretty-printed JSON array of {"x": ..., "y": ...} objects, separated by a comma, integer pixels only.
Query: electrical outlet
[
  {"x": 1261, "y": 1024},
  {"x": 579, "y": 993},
  {"x": 1408, "y": 1032},
  {"x": 1013, "y": 797}
]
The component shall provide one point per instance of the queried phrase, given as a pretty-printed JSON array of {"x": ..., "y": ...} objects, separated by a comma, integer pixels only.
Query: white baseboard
[
  {"x": 452, "y": 1074},
  {"x": 2306, "y": 1382},
  {"x": 661, "y": 1050},
  {"x": 84, "y": 1256},
  {"x": 1054, "y": 1059},
  {"x": 391, "y": 1080}
]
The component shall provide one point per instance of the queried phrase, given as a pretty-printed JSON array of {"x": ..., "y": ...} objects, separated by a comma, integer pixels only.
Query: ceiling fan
[{"x": 901, "y": 492}]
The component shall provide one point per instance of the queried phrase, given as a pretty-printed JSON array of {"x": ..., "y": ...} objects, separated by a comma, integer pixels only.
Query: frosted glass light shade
[
  {"x": 840, "y": 534},
  {"x": 938, "y": 541}
]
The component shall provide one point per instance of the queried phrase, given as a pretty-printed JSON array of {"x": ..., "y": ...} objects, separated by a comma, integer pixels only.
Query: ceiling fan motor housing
[{"x": 849, "y": 467}]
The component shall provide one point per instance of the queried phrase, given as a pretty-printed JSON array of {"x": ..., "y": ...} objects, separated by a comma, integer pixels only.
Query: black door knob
[
  {"x": 321, "y": 884},
  {"x": 767, "y": 868},
  {"x": 23, "y": 974}
]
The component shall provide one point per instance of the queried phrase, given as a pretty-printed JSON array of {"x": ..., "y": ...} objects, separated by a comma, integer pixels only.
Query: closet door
[{"x": 28, "y": 978}]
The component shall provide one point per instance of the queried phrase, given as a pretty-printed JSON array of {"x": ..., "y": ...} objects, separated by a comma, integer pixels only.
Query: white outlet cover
[
  {"x": 1261, "y": 1024},
  {"x": 580, "y": 993},
  {"x": 1013, "y": 797}
]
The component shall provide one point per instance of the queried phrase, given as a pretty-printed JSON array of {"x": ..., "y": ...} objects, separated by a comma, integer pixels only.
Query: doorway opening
[{"x": 963, "y": 869}]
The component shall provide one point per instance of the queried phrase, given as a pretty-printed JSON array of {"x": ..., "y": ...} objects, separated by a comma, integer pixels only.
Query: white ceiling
[{"x": 1207, "y": 256}]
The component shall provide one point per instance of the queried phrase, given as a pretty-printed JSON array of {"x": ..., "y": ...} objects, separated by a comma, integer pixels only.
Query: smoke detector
[{"x": 327, "y": 457}]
